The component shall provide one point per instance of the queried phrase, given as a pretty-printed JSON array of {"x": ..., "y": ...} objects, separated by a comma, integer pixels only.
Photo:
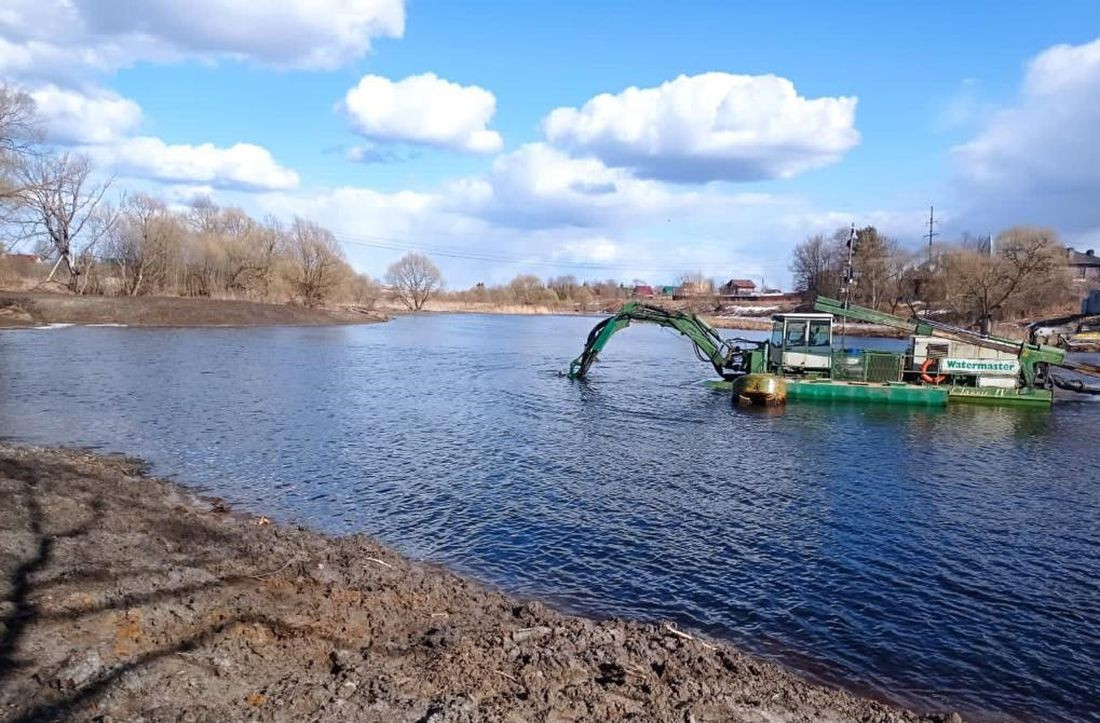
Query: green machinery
[
  {"x": 728, "y": 357},
  {"x": 942, "y": 364}
]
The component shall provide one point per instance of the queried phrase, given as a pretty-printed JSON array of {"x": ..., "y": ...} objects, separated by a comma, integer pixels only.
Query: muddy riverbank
[
  {"x": 26, "y": 308},
  {"x": 128, "y": 597}
]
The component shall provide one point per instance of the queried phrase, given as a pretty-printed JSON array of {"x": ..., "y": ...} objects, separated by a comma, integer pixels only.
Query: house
[
  {"x": 738, "y": 288},
  {"x": 24, "y": 258},
  {"x": 666, "y": 291},
  {"x": 643, "y": 291},
  {"x": 1085, "y": 265}
]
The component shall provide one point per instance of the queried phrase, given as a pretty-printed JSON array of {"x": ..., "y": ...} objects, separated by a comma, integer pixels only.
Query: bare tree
[
  {"x": 1025, "y": 268},
  {"x": 414, "y": 278},
  {"x": 317, "y": 262},
  {"x": 564, "y": 286},
  {"x": 694, "y": 283},
  {"x": 62, "y": 209},
  {"x": 818, "y": 267},
  {"x": 525, "y": 288},
  {"x": 143, "y": 243},
  {"x": 19, "y": 132},
  {"x": 583, "y": 297},
  {"x": 364, "y": 291}
]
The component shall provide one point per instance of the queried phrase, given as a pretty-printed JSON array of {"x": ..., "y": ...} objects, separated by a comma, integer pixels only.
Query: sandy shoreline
[{"x": 130, "y": 597}]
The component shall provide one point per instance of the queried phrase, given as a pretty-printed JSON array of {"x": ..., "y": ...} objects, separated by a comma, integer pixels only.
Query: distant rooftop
[{"x": 1086, "y": 258}]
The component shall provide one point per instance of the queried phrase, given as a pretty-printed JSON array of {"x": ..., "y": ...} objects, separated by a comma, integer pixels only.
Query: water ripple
[{"x": 937, "y": 557}]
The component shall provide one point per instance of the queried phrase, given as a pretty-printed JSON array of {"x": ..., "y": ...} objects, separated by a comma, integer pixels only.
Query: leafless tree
[
  {"x": 364, "y": 291},
  {"x": 62, "y": 208},
  {"x": 817, "y": 266},
  {"x": 19, "y": 134},
  {"x": 19, "y": 129},
  {"x": 414, "y": 278},
  {"x": 317, "y": 262},
  {"x": 564, "y": 286},
  {"x": 525, "y": 288},
  {"x": 1025, "y": 268},
  {"x": 143, "y": 243}
]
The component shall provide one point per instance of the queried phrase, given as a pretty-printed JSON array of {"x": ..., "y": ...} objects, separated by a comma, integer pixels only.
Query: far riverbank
[{"x": 28, "y": 309}]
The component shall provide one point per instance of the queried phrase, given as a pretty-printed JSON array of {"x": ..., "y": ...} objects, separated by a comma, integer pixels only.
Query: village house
[
  {"x": 643, "y": 291},
  {"x": 737, "y": 288},
  {"x": 1085, "y": 266},
  {"x": 24, "y": 258}
]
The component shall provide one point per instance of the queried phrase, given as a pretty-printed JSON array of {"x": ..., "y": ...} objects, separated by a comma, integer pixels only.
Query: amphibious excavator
[{"x": 942, "y": 363}]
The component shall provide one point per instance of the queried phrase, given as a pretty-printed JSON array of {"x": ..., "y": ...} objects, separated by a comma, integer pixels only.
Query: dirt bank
[
  {"x": 125, "y": 598},
  {"x": 24, "y": 308}
]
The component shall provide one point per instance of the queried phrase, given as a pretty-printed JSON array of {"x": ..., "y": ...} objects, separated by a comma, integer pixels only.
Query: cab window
[
  {"x": 820, "y": 332},
  {"x": 777, "y": 334},
  {"x": 796, "y": 333}
]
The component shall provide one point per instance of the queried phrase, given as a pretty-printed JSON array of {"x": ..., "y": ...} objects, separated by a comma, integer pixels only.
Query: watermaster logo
[{"x": 980, "y": 366}]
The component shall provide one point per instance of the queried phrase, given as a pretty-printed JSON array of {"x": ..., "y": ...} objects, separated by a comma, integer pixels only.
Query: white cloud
[
  {"x": 56, "y": 38},
  {"x": 425, "y": 110},
  {"x": 538, "y": 186},
  {"x": 242, "y": 166},
  {"x": 99, "y": 122},
  {"x": 714, "y": 126},
  {"x": 74, "y": 117},
  {"x": 539, "y": 211},
  {"x": 1038, "y": 161}
]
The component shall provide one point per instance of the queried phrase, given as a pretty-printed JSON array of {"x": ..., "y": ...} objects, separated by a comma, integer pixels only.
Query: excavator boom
[
  {"x": 726, "y": 358},
  {"x": 1030, "y": 354}
]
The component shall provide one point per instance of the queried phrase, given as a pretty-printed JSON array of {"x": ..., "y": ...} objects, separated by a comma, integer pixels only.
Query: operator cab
[{"x": 801, "y": 342}]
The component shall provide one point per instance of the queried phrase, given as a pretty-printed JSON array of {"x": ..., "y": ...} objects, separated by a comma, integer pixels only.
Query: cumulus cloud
[
  {"x": 713, "y": 126},
  {"x": 423, "y": 110},
  {"x": 73, "y": 117},
  {"x": 50, "y": 38},
  {"x": 1038, "y": 161},
  {"x": 540, "y": 211},
  {"x": 539, "y": 186},
  {"x": 242, "y": 166}
]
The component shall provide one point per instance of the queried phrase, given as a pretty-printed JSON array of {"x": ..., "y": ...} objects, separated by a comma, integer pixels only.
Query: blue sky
[{"x": 823, "y": 114}]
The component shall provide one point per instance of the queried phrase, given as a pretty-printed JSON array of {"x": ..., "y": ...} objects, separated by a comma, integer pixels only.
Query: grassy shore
[{"x": 129, "y": 598}]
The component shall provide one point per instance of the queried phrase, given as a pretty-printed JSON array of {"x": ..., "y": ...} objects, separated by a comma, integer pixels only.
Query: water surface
[{"x": 941, "y": 558}]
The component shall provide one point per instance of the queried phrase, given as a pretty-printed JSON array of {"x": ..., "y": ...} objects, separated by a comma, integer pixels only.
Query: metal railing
[{"x": 867, "y": 366}]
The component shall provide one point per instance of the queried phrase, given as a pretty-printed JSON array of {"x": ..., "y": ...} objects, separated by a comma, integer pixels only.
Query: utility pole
[
  {"x": 848, "y": 268},
  {"x": 931, "y": 230},
  {"x": 847, "y": 286}
]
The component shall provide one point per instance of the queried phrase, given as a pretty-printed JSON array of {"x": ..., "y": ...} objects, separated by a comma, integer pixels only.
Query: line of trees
[
  {"x": 556, "y": 292},
  {"x": 977, "y": 281},
  {"x": 134, "y": 244}
]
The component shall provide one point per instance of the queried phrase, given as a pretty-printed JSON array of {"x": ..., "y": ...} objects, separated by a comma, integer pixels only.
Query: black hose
[{"x": 1074, "y": 385}]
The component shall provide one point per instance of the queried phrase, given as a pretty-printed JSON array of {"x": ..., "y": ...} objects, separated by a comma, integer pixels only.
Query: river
[{"x": 940, "y": 558}]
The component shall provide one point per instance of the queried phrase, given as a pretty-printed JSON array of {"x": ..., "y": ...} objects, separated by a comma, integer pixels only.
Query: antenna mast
[{"x": 847, "y": 285}]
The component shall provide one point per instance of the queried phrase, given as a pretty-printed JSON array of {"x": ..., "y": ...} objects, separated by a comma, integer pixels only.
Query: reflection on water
[{"x": 943, "y": 556}]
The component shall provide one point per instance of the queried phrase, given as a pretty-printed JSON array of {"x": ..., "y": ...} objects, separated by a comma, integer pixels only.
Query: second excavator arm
[{"x": 708, "y": 344}]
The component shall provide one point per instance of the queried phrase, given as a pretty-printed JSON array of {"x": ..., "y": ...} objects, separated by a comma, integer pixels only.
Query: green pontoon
[{"x": 941, "y": 365}]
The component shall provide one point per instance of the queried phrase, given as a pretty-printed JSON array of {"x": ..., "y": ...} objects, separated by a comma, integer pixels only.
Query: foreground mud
[{"x": 126, "y": 598}]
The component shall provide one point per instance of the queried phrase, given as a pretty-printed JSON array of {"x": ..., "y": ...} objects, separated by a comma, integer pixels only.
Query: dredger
[{"x": 942, "y": 363}]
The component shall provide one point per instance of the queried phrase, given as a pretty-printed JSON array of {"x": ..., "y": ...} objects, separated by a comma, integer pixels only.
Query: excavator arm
[{"x": 728, "y": 360}]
